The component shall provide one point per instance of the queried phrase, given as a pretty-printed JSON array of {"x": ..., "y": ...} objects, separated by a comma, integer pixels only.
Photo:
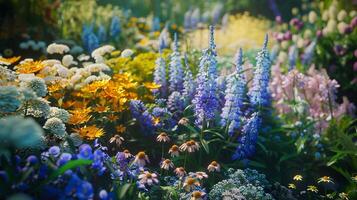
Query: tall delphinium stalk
[
  {"x": 248, "y": 138},
  {"x": 189, "y": 86},
  {"x": 232, "y": 111},
  {"x": 176, "y": 72},
  {"x": 259, "y": 93},
  {"x": 160, "y": 76},
  {"x": 206, "y": 100}
]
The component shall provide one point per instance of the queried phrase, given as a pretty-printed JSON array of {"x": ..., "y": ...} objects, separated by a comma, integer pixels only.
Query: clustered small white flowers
[{"x": 57, "y": 48}]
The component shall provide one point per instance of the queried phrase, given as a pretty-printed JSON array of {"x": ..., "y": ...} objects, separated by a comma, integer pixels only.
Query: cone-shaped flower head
[{"x": 176, "y": 71}]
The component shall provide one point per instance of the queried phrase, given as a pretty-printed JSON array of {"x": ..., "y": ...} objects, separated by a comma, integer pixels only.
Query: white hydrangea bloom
[
  {"x": 127, "y": 53},
  {"x": 97, "y": 67},
  {"x": 55, "y": 126},
  {"x": 59, "y": 113},
  {"x": 67, "y": 60},
  {"x": 98, "y": 53},
  {"x": 57, "y": 48}
]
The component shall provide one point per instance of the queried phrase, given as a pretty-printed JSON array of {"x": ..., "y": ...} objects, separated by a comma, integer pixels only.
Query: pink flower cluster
[{"x": 314, "y": 91}]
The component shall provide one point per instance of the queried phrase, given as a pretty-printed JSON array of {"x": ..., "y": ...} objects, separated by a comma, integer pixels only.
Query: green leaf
[
  {"x": 70, "y": 165},
  {"x": 123, "y": 190},
  {"x": 205, "y": 145}
]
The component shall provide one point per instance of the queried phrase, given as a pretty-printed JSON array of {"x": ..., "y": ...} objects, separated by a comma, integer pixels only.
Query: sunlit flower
[
  {"x": 180, "y": 171},
  {"x": 292, "y": 186},
  {"x": 38, "y": 107},
  {"x": 174, "y": 150},
  {"x": 297, "y": 178},
  {"x": 200, "y": 175},
  {"x": 214, "y": 167},
  {"x": 79, "y": 116},
  {"x": 183, "y": 121},
  {"x": 190, "y": 184},
  {"x": 151, "y": 85},
  {"x": 325, "y": 179},
  {"x": 141, "y": 159},
  {"x": 9, "y": 61},
  {"x": 120, "y": 128},
  {"x": 148, "y": 178},
  {"x": 197, "y": 195},
  {"x": 156, "y": 120},
  {"x": 190, "y": 146},
  {"x": 112, "y": 117},
  {"x": 90, "y": 132},
  {"x": 30, "y": 66},
  {"x": 117, "y": 139},
  {"x": 163, "y": 137},
  {"x": 312, "y": 188},
  {"x": 127, "y": 153},
  {"x": 167, "y": 164},
  {"x": 101, "y": 108}
]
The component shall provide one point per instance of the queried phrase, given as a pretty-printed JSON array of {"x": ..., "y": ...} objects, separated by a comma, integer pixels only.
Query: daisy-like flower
[
  {"x": 297, "y": 178},
  {"x": 90, "y": 132},
  {"x": 29, "y": 67},
  {"x": 190, "y": 184},
  {"x": 127, "y": 153},
  {"x": 147, "y": 178},
  {"x": 79, "y": 116},
  {"x": 200, "y": 175},
  {"x": 120, "y": 128},
  {"x": 197, "y": 195},
  {"x": 174, "y": 150},
  {"x": 141, "y": 159},
  {"x": 167, "y": 164},
  {"x": 57, "y": 48},
  {"x": 183, "y": 121},
  {"x": 9, "y": 61},
  {"x": 312, "y": 188},
  {"x": 163, "y": 137},
  {"x": 325, "y": 179},
  {"x": 113, "y": 118},
  {"x": 180, "y": 171},
  {"x": 214, "y": 167},
  {"x": 292, "y": 186},
  {"x": 117, "y": 139},
  {"x": 190, "y": 146},
  {"x": 343, "y": 195}
]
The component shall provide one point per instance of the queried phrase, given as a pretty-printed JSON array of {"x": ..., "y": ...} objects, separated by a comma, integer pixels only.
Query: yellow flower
[
  {"x": 94, "y": 86},
  {"x": 151, "y": 85},
  {"x": 79, "y": 116},
  {"x": 101, "y": 108},
  {"x": 325, "y": 179},
  {"x": 156, "y": 120},
  {"x": 90, "y": 132},
  {"x": 292, "y": 186},
  {"x": 29, "y": 67},
  {"x": 112, "y": 117},
  {"x": 9, "y": 61},
  {"x": 297, "y": 178},
  {"x": 120, "y": 128},
  {"x": 312, "y": 188},
  {"x": 115, "y": 53}
]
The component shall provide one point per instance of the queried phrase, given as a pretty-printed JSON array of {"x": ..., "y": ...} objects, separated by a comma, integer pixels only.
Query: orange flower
[
  {"x": 94, "y": 86},
  {"x": 90, "y": 132},
  {"x": 29, "y": 67},
  {"x": 120, "y": 128},
  {"x": 151, "y": 85},
  {"x": 9, "y": 61},
  {"x": 79, "y": 116},
  {"x": 101, "y": 108},
  {"x": 112, "y": 117}
]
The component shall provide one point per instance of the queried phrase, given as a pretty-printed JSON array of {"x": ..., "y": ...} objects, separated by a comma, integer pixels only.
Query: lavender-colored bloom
[
  {"x": 164, "y": 38},
  {"x": 248, "y": 139},
  {"x": 32, "y": 160},
  {"x": 102, "y": 34},
  {"x": 222, "y": 85},
  {"x": 160, "y": 77},
  {"x": 54, "y": 151},
  {"x": 274, "y": 8},
  {"x": 63, "y": 159},
  {"x": 189, "y": 86},
  {"x": 259, "y": 93},
  {"x": 292, "y": 57},
  {"x": 115, "y": 27},
  {"x": 235, "y": 96},
  {"x": 206, "y": 102},
  {"x": 308, "y": 53},
  {"x": 103, "y": 195},
  {"x": 175, "y": 68},
  {"x": 195, "y": 18},
  {"x": 85, "y": 152},
  {"x": 175, "y": 102},
  {"x": 140, "y": 113},
  {"x": 98, "y": 161}
]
